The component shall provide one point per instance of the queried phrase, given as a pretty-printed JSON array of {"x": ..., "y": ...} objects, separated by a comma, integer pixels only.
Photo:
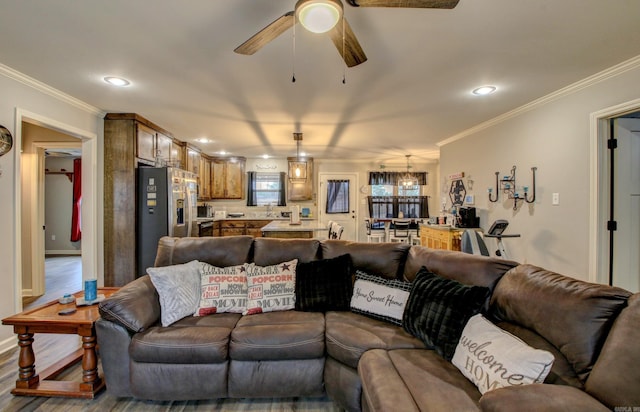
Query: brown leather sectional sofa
[{"x": 363, "y": 363}]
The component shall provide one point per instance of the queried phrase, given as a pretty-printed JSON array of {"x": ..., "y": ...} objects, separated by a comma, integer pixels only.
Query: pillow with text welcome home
[
  {"x": 270, "y": 288},
  {"x": 222, "y": 289},
  {"x": 493, "y": 358},
  {"x": 379, "y": 298},
  {"x": 178, "y": 288}
]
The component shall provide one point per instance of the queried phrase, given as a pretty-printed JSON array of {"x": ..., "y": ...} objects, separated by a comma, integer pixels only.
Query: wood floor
[{"x": 63, "y": 276}]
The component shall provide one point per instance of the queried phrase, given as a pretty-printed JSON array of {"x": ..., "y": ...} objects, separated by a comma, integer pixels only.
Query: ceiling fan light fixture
[{"x": 319, "y": 16}]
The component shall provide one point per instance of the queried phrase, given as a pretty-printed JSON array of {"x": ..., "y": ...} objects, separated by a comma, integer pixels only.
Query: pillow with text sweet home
[
  {"x": 222, "y": 289},
  {"x": 379, "y": 298},
  {"x": 270, "y": 288}
]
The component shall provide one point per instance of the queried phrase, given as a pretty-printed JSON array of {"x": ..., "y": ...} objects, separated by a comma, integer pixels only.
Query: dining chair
[
  {"x": 374, "y": 235},
  {"x": 400, "y": 230},
  {"x": 414, "y": 235},
  {"x": 335, "y": 230}
]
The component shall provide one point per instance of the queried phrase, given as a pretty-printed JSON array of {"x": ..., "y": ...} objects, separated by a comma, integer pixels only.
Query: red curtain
[{"x": 76, "y": 233}]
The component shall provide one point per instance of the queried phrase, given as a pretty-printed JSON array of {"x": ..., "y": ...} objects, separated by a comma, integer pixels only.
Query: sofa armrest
[
  {"x": 136, "y": 306},
  {"x": 541, "y": 397}
]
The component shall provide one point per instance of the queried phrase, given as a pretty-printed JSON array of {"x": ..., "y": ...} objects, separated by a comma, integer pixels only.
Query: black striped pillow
[
  {"x": 323, "y": 285},
  {"x": 439, "y": 308}
]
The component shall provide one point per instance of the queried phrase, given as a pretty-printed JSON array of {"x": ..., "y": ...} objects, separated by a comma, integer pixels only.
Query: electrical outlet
[
  {"x": 53, "y": 237},
  {"x": 555, "y": 199}
]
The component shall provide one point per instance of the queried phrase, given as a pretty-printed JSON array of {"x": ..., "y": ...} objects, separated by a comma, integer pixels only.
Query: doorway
[
  {"x": 338, "y": 190},
  {"x": 615, "y": 197},
  {"x": 29, "y": 236}
]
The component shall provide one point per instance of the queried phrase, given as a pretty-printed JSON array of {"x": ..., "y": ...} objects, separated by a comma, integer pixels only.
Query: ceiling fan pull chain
[
  {"x": 344, "y": 68},
  {"x": 293, "y": 60}
]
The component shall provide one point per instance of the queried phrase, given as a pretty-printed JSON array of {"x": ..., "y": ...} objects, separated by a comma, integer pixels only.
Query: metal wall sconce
[{"x": 508, "y": 187}]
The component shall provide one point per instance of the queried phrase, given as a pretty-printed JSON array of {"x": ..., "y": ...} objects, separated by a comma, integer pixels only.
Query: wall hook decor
[{"x": 508, "y": 187}]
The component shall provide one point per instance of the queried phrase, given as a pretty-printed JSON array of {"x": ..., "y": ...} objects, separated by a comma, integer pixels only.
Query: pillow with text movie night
[
  {"x": 178, "y": 288},
  {"x": 222, "y": 289},
  {"x": 439, "y": 308},
  {"x": 271, "y": 288},
  {"x": 493, "y": 358},
  {"x": 379, "y": 298},
  {"x": 324, "y": 285}
]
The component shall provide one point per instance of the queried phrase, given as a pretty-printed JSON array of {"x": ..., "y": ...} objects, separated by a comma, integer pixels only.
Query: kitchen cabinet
[
  {"x": 177, "y": 154},
  {"x": 154, "y": 147},
  {"x": 300, "y": 189},
  {"x": 193, "y": 157},
  {"x": 129, "y": 139},
  {"x": 163, "y": 147},
  {"x": 236, "y": 227},
  {"x": 227, "y": 178},
  {"x": 440, "y": 237},
  {"x": 204, "y": 181},
  {"x": 232, "y": 227}
]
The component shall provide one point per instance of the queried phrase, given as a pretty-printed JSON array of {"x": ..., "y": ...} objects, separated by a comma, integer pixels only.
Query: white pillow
[
  {"x": 178, "y": 287},
  {"x": 493, "y": 358},
  {"x": 222, "y": 289},
  {"x": 379, "y": 298},
  {"x": 271, "y": 288}
]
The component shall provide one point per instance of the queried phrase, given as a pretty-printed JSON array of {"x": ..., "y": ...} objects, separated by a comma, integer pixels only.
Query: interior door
[
  {"x": 349, "y": 218},
  {"x": 626, "y": 259}
]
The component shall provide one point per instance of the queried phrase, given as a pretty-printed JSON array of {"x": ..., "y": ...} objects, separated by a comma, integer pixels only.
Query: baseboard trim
[
  {"x": 8, "y": 344},
  {"x": 63, "y": 252}
]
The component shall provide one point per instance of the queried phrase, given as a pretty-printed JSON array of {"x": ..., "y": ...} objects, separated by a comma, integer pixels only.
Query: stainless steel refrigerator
[{"x": 166, "y": 200}]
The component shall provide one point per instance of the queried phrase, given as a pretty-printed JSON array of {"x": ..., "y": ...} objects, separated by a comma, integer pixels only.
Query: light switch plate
[{"x": 555, "y": 199}]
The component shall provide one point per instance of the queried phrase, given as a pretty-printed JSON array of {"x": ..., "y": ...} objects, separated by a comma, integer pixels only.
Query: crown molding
[
  {"x": 609, "y": 73},
  {"x": 46, "y": 89}
]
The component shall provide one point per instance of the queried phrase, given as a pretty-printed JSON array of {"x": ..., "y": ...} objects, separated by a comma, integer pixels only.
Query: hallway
[{"x": 63, "y": 274}]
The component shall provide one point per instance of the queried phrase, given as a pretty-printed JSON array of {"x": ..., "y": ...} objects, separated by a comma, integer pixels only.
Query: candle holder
[{"x": 508, "y": 187}]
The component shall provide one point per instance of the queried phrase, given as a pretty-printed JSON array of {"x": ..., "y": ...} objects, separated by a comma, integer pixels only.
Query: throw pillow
[
  {"x": 271, "y": 288},
  {"x": 439, "y": 308},
  {"x": 178, "y": 288},
  {"x": 222, "y": 289},
  {"x": 493, "y": 358},
  {"x": 379, "y": 298},
  {"x": 324, "y": 285}
]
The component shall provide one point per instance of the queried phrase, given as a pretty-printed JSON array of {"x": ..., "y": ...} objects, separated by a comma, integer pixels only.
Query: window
[
  {"x": 337, "y": 196},
  {"x": 266, "y": 189},
  {"x": 389, "y": 196}
]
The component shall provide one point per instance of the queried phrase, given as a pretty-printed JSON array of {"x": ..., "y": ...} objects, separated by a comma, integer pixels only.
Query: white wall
[
  {"x": 22, "y": 93},
  {"x": 554, "y": 136}
]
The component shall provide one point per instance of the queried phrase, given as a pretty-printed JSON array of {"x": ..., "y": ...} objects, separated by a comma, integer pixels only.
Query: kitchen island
[{"x": 307, "y": 229}]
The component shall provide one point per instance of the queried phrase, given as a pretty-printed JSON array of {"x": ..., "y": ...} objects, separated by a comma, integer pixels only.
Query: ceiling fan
[{"x": 322, "y": 16}]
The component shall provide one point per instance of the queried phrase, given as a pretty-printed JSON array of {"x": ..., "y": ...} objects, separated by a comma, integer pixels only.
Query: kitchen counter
[{"x": 284, "y": 229}]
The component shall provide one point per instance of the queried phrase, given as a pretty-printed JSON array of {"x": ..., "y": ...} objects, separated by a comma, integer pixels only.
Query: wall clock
[{"x": 6, "y": 141}]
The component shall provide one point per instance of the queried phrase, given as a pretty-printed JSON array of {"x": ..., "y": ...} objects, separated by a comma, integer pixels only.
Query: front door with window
[{"x": 337, "y": 201}]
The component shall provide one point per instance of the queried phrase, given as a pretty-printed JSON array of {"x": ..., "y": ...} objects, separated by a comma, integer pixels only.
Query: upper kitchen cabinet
[
  {"x": 163, "y": 148},
  {"x": 193, "y": 160},
  {"x": 154, "y": 147},
  {"x": 204, "y": 182},
  {"x": 299, "y": 189},
  {"x": 227, "y": 178}
]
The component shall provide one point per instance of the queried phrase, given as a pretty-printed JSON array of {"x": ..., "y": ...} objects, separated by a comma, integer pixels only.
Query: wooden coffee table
[{"x": 45, "y": 319}]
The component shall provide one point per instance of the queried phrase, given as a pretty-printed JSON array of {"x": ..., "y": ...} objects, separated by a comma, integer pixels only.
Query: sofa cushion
[
  {"x": 178, "y": 287},
  {"x": 541, "y": 398},
  {"x": 492, "y": 358},
  {"x": 438, "y": 309},
  {"x": 380, "y": 298},
  {"x": 349, "y": 335},
  {"x": 324, "y": 284},
  {"x": 405, "y": 378},
  {"x": 190, "y": 341},
  {"x": 278, "y": 336},
  {"x": 615, "y": 378},
  {"x": 222, "y": 289},
  {"x": 527, "y": 295},
  {"x": 463, "y": 267},
  {"x": 217, "y": 251},
  {"x": 270, "y": 288},
  {"x": 382, "y": 259},
  {"x": 271, "y": 251}
]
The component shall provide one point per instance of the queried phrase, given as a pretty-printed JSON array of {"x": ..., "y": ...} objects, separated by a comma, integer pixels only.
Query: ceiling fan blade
[
  {"x": 264, "y": 36},
  {"x": 350, "y": 50},
  {"x": 416, "y": 4}
]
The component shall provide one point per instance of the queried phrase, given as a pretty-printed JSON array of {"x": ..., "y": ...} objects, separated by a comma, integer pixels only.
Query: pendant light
[
  {"x": 298, "y": 167},
  {"x": 408, "y": 179}
]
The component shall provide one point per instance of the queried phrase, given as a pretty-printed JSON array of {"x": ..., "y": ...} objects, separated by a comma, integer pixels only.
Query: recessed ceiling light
[
  {"x": 265, "y": 156},
  {"x": 484, "y": 90},
  {"x": 222, "y": 153},
  {"x": 203, "y": 140},
  {"x": 116, "y": 81}
]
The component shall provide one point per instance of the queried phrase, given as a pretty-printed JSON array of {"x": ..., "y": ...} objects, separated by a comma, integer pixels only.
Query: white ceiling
[{"x": 413, "y": 92}]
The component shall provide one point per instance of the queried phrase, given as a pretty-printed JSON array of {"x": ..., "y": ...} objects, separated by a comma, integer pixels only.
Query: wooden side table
[{"x": 45, "y": 319}]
